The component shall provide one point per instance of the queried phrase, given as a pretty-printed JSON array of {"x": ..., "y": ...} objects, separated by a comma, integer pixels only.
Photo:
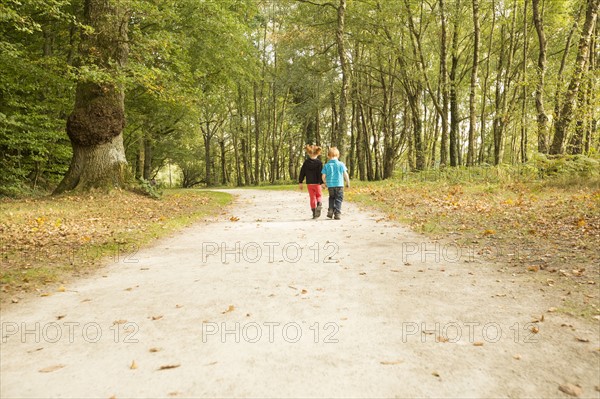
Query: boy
[
  {"x": 335, "y": 174},
  {"x": 311, "y": 169}
]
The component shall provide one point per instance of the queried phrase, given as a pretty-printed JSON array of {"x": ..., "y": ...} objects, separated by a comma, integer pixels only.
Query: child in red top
[{"x": 311, "y": 169}]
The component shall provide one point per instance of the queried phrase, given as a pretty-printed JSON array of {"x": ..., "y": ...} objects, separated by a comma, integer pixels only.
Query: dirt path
[{"x": 353, "y": 308}]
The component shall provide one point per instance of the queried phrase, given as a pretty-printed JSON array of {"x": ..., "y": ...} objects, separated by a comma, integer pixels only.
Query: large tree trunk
[
  {"x": 542, "y": 118},
  {"x": 96, "y": 124},
  {"x": 566, "y": 113}
]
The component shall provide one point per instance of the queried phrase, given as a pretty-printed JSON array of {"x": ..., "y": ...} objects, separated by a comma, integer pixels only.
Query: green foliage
[
  {"x": 35, "y": 96},
  {"x": 563, "y": 170},
  {"x": 263, "y": 78},
  {"x": 149, "y": 188},
  {"x": 567, "y": 166}
]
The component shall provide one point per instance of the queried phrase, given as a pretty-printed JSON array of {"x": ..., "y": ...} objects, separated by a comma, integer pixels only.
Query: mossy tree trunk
[{"x": 96, "y": 124}]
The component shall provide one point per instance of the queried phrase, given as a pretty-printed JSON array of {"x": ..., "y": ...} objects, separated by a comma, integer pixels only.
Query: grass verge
[
  {"x": 50, "y": 240},
  {"x": 546, "y": 231}
]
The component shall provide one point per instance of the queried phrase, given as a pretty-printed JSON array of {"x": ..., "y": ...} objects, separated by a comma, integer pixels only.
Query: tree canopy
[{"x": 229, "y": 91}]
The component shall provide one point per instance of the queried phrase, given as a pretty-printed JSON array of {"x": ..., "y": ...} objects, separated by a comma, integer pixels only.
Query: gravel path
[{"x": 277, "y": 305}]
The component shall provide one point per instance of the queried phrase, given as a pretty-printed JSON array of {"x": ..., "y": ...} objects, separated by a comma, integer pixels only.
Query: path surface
[{"x": 367, "y": 322}]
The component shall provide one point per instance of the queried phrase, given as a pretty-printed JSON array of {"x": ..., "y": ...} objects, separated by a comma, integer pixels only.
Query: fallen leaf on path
[
  {"x": 169, "y": 366},
  {"x": 304, "y": 292},
  {"x": 234, "y": 218},
  {"x": 441, "y": 339},
  {"x": 552, "y": 309},
  {"x": 435, "y": 374},
  {"x": 390, "y": 362},
  {"x": 362, "y": 273},
  {"x": 154, "y": 350},
  {"x": 62, "y": 316},
  {"x": 517, "y": 357},
  {"x": 154, "y": 318},
  {"x": 133, "y": 365},
  {"x": 14, "y": 300},
  {"x": 534, "y": 330},
  {"x": 178, "y": 306},
  {"x": 50, "y": 369},
  {"x": 582, "y": 339},
  {"x": 120, "y": 321},
  {"x": 231, "y": 308},
  {"x": 478, "y": 343},
  {"x": 570, "y": 389},
  {"x": 292, "y": 287}
]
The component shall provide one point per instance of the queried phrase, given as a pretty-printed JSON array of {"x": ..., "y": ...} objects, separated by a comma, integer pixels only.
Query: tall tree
[
  {"x": 342, "y": 125},
  {"x": 472, "y": 114},
  {"x": 566, "y": 113},
  {"x": 454, "y": 117},
  {"x": 523, "y": 143},
  {"x": 444, "y": 85},
  {"x": 542, "y": 117},
  {"x": 96, "y": 124}
]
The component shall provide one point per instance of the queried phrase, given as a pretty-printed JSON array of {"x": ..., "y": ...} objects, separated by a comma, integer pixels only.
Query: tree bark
[
  {"x": 454, "y": 117},
  {"x": 224, "y": 178},
  {"x": 524, "y": 138},
  {"x": 542, "y": 117},
  {"x": 147, "y": 157},
  {"x": 566, "y": 113},
  {"x": 96, "y": 124},
  {"x": 444, "y": 86},
  {"x": 472, "y": 115},
  {"x": 482, "y": 153},
  {"x": 342, "y": 126}
]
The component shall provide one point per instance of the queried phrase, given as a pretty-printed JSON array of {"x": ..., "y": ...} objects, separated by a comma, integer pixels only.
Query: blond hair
[
  {"x": 333, "y": 153},
  {"x": 312, "y": 150}
]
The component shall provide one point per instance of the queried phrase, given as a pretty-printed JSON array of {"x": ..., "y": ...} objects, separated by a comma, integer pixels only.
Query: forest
[{"x": 98, "y": 93}]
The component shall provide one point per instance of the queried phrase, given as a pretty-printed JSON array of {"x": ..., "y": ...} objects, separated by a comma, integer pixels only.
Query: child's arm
[
  {"x": 347, "y": 179},
  {"x": 302, "y": 176},
  {"x": 324, "y": 178}
]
